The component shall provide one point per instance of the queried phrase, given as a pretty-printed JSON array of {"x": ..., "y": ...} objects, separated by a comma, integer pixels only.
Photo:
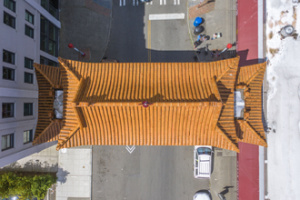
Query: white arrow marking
[{"x": 130, "y": 149}]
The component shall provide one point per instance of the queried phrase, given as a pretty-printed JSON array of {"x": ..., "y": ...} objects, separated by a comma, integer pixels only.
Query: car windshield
[{"x": 204, "y": 150}]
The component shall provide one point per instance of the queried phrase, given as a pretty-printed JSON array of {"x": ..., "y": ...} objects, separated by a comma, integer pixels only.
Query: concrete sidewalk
[
  {"x": 85, "y": 24},
  {"x": 218, "y": 16},
  {"x": 74, "y": 174}
]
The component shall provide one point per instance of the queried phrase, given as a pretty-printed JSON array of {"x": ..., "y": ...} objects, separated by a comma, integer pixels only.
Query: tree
[{"x": 25, "y": 186}]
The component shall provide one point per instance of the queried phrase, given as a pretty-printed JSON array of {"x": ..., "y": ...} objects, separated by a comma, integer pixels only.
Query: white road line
[
  {"x": 174, "y": 2},
  {"x": 120, "y": 3},
  {"x": 165, "y": 2},
  {"x": 160, "y": 2},
  {"x": 137, "y": 2},
  {"x": 124, "y": 2},
  {"x": 133, "y": 2},
  {"x": 178, "y": 2},
  {"x": 168, "y": 16}
]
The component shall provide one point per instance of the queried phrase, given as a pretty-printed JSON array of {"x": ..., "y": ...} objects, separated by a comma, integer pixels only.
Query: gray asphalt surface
[{"x": 148, "y": 173}]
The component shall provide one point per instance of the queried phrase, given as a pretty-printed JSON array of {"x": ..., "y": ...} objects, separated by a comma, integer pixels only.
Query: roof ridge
[
  {"x": 260, "y": 70},
  {"x": 62, "y": 142},
  {"x": 64, "y": 65},
  {"x": 38, "y": 68},
  {"x": 233, "y": 65},
  {"x": 233, "y": 146},
  {"x": 254, "y": 133}
]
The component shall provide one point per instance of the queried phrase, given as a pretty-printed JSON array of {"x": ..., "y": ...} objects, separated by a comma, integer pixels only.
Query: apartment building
[{"x": 29, "y": 33}]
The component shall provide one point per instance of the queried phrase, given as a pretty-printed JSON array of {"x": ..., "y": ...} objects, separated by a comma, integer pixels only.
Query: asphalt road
[
  {"x": 135, "y": 38},
  {"x": 162, "y": 172}
]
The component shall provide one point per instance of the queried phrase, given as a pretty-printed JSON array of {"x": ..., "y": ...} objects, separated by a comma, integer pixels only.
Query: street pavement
[
  {"x": 156, "y": 172},
  {"x": 85, "y": 24},
  {"x": 122, "y": 30}
]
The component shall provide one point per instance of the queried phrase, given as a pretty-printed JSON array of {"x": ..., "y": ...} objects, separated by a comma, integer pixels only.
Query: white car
[
  {"x": 202, "y": 161},
  {"x": 202, "y": 195}
]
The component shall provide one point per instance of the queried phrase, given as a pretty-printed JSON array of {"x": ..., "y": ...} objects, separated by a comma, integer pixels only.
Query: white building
[{"x": 29, "y": 31}]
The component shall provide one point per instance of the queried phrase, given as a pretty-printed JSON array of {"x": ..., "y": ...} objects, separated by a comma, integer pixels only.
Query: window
[
  {"x": 28, "y": 77},
  {"x": 7, "y": 110},
  {"x": 8, "y": 74},
  {"x": 46, "y": 61},
  {"x": 28, "y": 31},
  {"x": 7, "y": 141},
  {"x": 27, "y": 136},
  {"x": 28, "y": 109},
  {"x": 29, "y": 17},
  {"x": 9, "y": 20},
  {"x": 51, "y": 6},
  {"x": 10, "y": 4},
  {"x": 49, "y": 37},
  {"x": 8, "y": 57},
  {"x": 28, "y": 63}
]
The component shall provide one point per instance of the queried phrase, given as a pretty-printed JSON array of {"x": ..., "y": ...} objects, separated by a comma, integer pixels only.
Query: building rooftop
[{"x": 188, "y": 104}]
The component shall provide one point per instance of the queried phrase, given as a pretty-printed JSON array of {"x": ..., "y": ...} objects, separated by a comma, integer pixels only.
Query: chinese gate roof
[{"x": 190, "y": 104}]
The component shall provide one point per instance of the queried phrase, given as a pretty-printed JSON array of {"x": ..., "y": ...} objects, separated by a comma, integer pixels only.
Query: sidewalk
[
  {"x": 219, "y": 16},
  {"x": 85, "y": 24},
  {"x": 74, "y": 174}
]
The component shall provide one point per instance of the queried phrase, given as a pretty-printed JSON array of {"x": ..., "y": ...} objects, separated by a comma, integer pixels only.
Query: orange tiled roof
[
  {"x": 48, "y": 78},
  {"x": 251, "y": 129},
  {"x": 191, "y": 103}
]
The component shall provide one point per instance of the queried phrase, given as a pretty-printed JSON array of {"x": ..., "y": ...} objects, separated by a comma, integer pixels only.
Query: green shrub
[{"x": 25, "y": 186}]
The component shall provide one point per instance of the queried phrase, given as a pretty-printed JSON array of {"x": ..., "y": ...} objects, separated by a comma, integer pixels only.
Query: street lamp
[{"x": 71, "y": 46}]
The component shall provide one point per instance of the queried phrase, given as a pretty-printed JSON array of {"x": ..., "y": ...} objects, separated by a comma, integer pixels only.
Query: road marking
[
  {"x": 176, "y": 2},
  {"x": 122, "y": 3},
  {"x": 163, "y": 2},
  {"x": 130, "y": 149},
  {"x": 168, "y": 16},
  {"x": 149, "y": 41}
]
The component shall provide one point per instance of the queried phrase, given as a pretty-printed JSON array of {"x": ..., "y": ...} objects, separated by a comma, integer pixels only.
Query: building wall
[{"x": 17, "y": 91}]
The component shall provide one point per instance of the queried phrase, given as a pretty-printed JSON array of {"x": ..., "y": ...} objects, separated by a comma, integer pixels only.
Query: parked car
[
  {"x": 202, "y": 161},
  {"x": 202, "y": 195}
]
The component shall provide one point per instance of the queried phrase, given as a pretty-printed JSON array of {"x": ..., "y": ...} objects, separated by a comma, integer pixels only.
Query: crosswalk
[{"x": 157, "y": 2}]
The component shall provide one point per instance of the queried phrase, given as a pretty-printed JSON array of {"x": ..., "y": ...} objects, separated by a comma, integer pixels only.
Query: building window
[
  {"x": 8, "y": 74},
  {"x": 46, "y": 61},
  {"x": 49, "y": 37},
  {"x": 8, "y": 57},
  {"x": 29, "y": 17},
  {"x": 51, "y": 6},
  {"x": 7, "y": 110},
  {"x": 27, "y": 136},
  {"x": 28, "y": 109},
  {"x": 10, "y": 4},
  {"x": 7, "y": 141},
  {"x": 28, "y": 63},
  {"x": 28, "y": 77},
  {"x": 9, "y": 20},
  {"x": 28, "y": 31}
]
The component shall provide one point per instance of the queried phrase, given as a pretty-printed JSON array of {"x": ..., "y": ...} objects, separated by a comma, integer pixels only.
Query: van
[{"x": 202, "y": 161}]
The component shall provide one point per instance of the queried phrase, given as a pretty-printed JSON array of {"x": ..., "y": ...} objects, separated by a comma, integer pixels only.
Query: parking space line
[{"x": 168, "y": 16}]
